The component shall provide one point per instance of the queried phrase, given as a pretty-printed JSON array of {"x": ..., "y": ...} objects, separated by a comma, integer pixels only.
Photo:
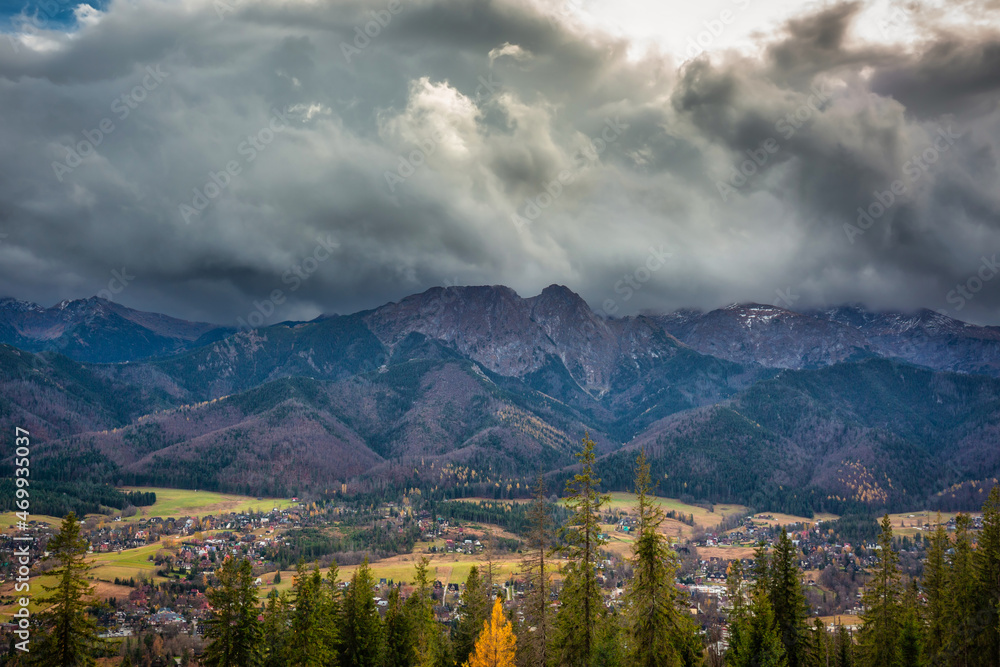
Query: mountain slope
[
  {"x": 869, "y": 432},
  {"x": 99, "y": 331},
  {"x": 476, "y": 390},
  {"x": 926, "y": 338},
  {"x": 767, "y": 335}
]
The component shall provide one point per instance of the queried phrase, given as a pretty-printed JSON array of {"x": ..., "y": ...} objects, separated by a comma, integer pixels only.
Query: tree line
[
  {"x": 54, "y": 498},
  {"x": 948, "y": 617}
]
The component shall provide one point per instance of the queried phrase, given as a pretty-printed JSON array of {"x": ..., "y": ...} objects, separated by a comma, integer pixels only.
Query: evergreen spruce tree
[
  {"x": 762, "y": 569},
  {"x": 988, "y": 570},
  {"x": 787, "y": 598},
  {"x": 935, "y": 583},
  {"x": 69, "y": 635},
  {"x": 475, "y": 611},
  {"x": 360, "y": 628},
  {"x": 880, "y": 630},
  {"x": 657, "y": 628},
  {"x": 397, "y": 640},
  {"x": 311, "y": 642},
  {"x": 533, "y": 648},
  {"x": 420, "y": 614},
  {"x": 845, "y": 648},
  {"x": 330, "y": 612},
  {"x": 815, "y": 648},
  {"x": 962, "y": 628},
  {"x": 581, "y": 606},
  {"x": 756, "y": 642},
  {"x": 911, "y": 628},
  {"x": 274, "y": 628},
  {"x": 739, "y": 602},
  {"x": 233, "y": 632},
  {"x": 609, "y": 644}
]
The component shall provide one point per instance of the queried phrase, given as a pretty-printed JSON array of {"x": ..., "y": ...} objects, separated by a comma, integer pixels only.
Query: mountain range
[{"x": 476, "y": 390}]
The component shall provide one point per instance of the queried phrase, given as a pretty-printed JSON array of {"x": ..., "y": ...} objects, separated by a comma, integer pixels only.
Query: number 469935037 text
[{"x": 22, "y": 464}]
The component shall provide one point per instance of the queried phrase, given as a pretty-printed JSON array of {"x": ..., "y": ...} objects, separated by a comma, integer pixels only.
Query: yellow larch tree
[{"x": 496, "y": 644}]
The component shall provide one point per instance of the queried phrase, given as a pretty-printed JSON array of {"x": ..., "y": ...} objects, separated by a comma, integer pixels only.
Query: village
[{"x": 151, "y": 573}]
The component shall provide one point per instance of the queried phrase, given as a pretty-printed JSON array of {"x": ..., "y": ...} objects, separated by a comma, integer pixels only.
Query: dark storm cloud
[{"x": 243, "y": 140}]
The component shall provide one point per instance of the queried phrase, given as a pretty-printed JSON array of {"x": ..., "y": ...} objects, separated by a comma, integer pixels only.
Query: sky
[{"x": 213, "y": 158}]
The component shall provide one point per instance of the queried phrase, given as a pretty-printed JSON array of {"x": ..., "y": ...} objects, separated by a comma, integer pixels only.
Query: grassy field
[
  {"x": 725, "y": 552},
  {"x": 840, "y": 619},
  {"x": 183, "y": 502},
  {"x": 8, "y": 519},
  {"x": 129, "y": 563},
  {"x": 779, "y": 519},
  {"x": 625, "y": 502},
  {"x": 915, "y": 519},
  {"x": 135, "y": 563},
  {"x": 448, "y": 568}
]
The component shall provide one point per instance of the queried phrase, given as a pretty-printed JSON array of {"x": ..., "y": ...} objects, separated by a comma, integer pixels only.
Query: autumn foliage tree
[{"x": 496, "y": 645}]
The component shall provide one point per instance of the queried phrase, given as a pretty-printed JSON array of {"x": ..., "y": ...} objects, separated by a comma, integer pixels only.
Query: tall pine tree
[
  {"x": 533, "y": 648},
  {"x": 475, "y": 611},
  {"x": 911, "y": 633},
  {"x": 754, "y": 638},
  {"x": 361, "y": 626},
  {"x": 935, "y": 583},
  {"x": 787, "y": 598},
  {"x": 880, "y": 629},
  {"x": 313, "y": 620},
  {"x": 234, "y": 634},
  {"x": 658, "y": 631},
  {"x": 962, "y": 590},
  {"x": 581, "y": 603},
  {"x": 274, "y": 627},
  {"x": 69, "y": 635},
  {"x": 988, "y": 569},
  {"x": 397, "y": 639}
]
